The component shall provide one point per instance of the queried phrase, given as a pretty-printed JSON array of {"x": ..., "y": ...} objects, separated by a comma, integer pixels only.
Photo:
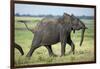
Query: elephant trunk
[{"x": 82, "y": 36}]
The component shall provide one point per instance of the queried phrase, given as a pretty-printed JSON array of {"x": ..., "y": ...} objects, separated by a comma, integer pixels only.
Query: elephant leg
[
  {"x": 63, "y": 39},
  {"x": 63, "y": 45},
  {"x": 34, "y": 46},
  {"x": 50, "y": 50},
  {"x": 19, "y": 48},
  {"x": 31, "y": 51},
  {"x": 70, "y": 42}
]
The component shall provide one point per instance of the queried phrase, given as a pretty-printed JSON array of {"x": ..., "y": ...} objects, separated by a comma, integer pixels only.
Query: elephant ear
[
  {"x": 72, "y": 18},
  {"x": 66, "y": 18}
]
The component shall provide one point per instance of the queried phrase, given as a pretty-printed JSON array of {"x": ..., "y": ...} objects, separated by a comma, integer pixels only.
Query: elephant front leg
[
  {"x": 70, "y": 42},
  {"x": 63, "y": 38},
  {"x": 63, "y": 45}
]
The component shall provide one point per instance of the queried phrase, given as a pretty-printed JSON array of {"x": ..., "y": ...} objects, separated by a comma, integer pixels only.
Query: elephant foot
[
  {"x": 28, "y": 55},
  {"x": 54, "y": 55},
  {"x": 71, "y": 52},
  {"x": 62, "y": 55}
]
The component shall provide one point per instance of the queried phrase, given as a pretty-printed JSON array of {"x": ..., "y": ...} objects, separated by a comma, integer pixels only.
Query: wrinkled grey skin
[
  {"x": 53, "y": 30},
  {"x": 19, "y": 48}
]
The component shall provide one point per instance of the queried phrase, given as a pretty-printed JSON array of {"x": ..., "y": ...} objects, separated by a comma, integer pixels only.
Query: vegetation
[{"x": 24, "y": 38}]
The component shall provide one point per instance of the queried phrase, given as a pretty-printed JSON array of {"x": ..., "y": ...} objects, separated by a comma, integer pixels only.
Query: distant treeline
[
  {"x": 86, "y": 17},
  {"x": 28, "y": 15}
]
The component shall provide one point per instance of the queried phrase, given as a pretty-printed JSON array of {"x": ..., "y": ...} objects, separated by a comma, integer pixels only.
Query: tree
[{"x": 17, "y": 14}]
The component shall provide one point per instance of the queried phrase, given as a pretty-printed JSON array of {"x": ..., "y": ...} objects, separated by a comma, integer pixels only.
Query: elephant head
[{"x": 75, "y": 24}]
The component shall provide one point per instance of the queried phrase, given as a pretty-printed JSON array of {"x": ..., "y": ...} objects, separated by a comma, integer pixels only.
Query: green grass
[{"x": 40, "y": 56}]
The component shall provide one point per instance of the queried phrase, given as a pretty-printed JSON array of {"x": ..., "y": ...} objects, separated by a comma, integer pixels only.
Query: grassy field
[{"x": 24, "y": 38}]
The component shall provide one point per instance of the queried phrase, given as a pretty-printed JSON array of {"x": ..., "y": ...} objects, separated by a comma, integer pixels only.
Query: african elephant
[
  {"x": 52, "y": 30},
  {"x": 19, "y": 48}
]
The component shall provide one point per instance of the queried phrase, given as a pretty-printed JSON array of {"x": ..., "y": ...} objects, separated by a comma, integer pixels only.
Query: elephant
[
  {"x": 19, "y": 48},
  {"x": 51, "y": 30}
]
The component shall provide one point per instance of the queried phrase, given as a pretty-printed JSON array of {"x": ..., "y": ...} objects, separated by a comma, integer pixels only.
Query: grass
[{"x": 40, "y": 56}]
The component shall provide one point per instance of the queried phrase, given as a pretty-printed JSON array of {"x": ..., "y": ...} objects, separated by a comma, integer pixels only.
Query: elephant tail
[
  {"x": 26, "y": 25},
  {"x": 19, "y": 48}
]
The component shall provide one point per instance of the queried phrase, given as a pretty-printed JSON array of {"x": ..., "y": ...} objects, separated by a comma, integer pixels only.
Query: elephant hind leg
[
  {"x": 70, "y": 42},
  {"x": 35, "y": 44},
  {"x": 50, "y": 50},
  {"x": 32, "y": 49},
  {"x": 19, "y": 48}
]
